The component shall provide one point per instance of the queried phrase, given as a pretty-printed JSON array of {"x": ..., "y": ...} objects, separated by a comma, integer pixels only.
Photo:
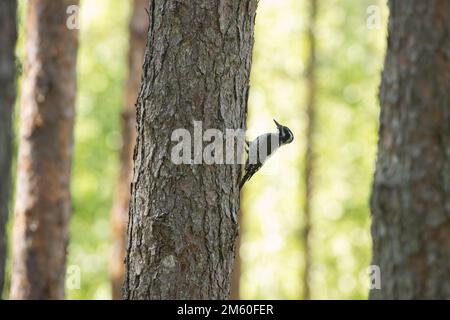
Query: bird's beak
[{"x": 278, "y": 125}]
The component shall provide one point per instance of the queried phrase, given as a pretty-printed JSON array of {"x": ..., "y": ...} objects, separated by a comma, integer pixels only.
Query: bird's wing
[{"x": 262, "y": 148}]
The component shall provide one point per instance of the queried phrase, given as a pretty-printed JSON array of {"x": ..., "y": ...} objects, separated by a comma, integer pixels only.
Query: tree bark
[
  {"x": 308, "y": 172},
  {"x": 183, "y": 218},
  {"x": 8, "y": 38},
  {"x": 236, "y": 275},
  {"x": 45, "y": 151},
  {"x": 138, "y": 32},
  {"x": 411, "y": 191}
]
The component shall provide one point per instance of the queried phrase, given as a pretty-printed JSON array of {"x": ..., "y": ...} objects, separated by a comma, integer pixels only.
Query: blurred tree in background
[
  {"x": 8, "y": 39},
  {"x": 309, "y": 160},
  {"x": 411, "y": 191},
  {"x": 349, "y": 60},
  {"x": 43, "y": 197}
]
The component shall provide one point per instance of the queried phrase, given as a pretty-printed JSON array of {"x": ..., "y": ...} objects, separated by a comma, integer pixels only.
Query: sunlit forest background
[{"x": 349, "y": 61}]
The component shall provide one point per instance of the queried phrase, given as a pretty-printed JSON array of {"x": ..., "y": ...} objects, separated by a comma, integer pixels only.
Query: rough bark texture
[
  {"x": 411, "y": 192},
  {"x": 45, "y": 152},
  {"x": 8, "y": 38},
  {"x": 138, "y": 35},
  {"x": 183, "y": 218},
  {"x": 308, "y": 172},
  {"x": 236, "y": 275}
]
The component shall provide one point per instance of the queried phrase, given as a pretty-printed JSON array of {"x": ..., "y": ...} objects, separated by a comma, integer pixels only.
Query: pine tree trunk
[
  {"x": 138, "y": 36},
  {"x": 236, "y": 275},
  {"x": 183, "y": 218},
  {"x": 45, "y": 153},
  {"x": 411, "y": 191},
  {"x": 8, "y": 38}
]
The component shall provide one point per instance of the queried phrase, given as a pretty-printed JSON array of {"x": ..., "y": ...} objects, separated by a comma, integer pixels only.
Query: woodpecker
[{"x": 260, "y": 149}]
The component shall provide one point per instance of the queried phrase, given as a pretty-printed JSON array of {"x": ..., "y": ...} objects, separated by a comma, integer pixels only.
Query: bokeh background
[{"x": 349, "y": 61}]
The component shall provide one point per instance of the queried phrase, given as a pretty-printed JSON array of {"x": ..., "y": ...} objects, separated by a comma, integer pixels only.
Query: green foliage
[{"x": 101, "y": 82}]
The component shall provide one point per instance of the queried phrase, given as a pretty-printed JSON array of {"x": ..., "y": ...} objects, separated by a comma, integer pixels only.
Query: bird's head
[{"x": 286, "y": 135}]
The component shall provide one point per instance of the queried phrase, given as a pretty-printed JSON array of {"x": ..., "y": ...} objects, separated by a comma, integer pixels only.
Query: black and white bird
[{"x": 260, "y": 149}]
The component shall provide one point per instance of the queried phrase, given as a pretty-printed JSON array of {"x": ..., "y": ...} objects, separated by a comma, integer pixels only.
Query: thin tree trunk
[
  {"x": 45, "y": 153},
  {"x": 411, "y": 191},
  {"x": 8, "y": 38},
  {"x": 183, "y": 218},
  {"x": 309, "y": 155},
  {"x": 138, "y": 35}
]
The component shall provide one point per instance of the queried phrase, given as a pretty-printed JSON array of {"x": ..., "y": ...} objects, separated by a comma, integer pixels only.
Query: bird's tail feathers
[{"x": 245, "y": 178}]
